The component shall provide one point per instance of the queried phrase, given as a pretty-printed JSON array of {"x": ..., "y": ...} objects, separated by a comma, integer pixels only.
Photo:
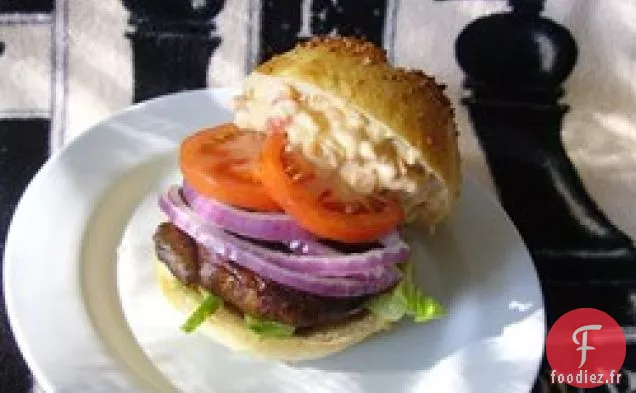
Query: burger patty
[{"x": 250, "y": 293}]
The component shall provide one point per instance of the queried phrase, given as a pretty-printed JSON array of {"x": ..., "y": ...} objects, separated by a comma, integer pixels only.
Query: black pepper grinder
[
  {"x": 172, "y": 42},
  {"x": 515, "y": 63}
]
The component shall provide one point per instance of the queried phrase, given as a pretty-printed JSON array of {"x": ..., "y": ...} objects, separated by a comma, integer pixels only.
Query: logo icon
[{"x": 585, "y": 348}]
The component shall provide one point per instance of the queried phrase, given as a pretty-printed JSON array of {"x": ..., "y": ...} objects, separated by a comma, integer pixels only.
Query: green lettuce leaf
[
  {"x": 207, "y": 307},
  {"x": 406, "y": 300},
  {"x": 268, "y": 328}
]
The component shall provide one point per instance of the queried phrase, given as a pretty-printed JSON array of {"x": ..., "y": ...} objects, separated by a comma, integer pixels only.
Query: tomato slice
[
  {"x": 223, "y": 163},
  {"x": 320, "y": 203}
]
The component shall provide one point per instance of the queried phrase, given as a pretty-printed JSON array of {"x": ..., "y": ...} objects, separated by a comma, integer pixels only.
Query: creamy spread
[{"x": 338, "y": 137}]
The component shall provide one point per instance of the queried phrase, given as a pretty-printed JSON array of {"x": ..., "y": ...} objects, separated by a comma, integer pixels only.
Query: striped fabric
[{"x": 545, "y": 106}]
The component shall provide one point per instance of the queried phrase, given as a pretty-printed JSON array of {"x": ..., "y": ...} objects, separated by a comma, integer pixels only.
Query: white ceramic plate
[{"x": 90, "y": 321}]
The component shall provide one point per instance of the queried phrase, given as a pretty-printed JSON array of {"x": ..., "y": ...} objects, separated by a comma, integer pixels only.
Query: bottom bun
[{"x": 227, "y": 327}]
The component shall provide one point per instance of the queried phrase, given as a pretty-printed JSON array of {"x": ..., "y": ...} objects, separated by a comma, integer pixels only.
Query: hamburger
[{"x": 284, "y": 238}]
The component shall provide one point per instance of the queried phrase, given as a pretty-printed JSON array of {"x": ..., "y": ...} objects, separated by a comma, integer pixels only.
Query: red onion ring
[
  {"x": 366, "y": 263},
  {"x": 255, "y": 258},
  {"x": 257, "y": 225},
  {"x": 277, "y": 227}
]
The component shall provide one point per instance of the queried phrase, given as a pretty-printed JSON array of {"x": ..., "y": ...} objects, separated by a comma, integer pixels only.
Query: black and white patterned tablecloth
[{"x": 545, "y": 95}]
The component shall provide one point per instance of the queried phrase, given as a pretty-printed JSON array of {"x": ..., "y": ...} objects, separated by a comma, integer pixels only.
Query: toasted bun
[
  {"x": 228, "y": 328},
  {"x": 410, "y": 104}
]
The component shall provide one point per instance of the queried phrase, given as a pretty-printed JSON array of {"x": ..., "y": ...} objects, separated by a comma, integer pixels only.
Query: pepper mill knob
[{"x": 516, "y": 55}]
